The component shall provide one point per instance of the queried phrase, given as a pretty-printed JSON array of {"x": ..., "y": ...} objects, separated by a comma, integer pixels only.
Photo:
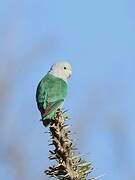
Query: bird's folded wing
[{"x": 52, "y": 106}]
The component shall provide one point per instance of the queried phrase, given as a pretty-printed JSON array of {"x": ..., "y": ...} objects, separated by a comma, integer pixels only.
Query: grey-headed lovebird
[{"x": 52, "y": 90}]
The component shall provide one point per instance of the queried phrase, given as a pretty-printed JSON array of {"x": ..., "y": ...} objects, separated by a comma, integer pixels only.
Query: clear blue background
[{"x": 98, "y": 39}]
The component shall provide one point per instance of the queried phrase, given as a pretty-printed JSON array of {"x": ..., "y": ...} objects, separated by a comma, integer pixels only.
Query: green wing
[
  {"x": 41, "y": 95},
  {"x": 52, "y": 106},
  {"x": 51, "y": 92}
]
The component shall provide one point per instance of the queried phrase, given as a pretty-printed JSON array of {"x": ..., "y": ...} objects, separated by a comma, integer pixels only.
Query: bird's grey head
[{"x": 61, "y": 70}]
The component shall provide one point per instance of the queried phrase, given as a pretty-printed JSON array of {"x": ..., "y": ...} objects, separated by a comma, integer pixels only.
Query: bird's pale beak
[{"x": 69, "y": 75}]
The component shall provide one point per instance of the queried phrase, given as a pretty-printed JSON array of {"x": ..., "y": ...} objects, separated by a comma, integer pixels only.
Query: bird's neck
[{"x": 58, "y": 75}]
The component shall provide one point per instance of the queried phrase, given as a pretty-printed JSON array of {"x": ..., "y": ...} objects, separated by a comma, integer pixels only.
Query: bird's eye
[{"x": 65, "y": 68}]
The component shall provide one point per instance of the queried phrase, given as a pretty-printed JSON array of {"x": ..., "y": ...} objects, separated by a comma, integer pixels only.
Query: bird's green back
[{"x": 51, "y": 89}]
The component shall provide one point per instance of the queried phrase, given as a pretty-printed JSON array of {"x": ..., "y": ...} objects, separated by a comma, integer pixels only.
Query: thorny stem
[{"x": 69, "y": 166}]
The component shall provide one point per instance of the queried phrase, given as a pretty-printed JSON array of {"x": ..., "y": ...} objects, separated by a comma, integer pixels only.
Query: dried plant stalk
[{"x": 68, "y": 166}]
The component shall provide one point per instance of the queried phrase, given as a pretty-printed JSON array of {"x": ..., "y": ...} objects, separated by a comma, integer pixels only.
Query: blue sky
[{"x": 98, "y": 39}]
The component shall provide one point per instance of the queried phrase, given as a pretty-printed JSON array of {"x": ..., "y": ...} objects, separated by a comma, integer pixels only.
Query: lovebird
[{"x": 52, "y": 90}]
